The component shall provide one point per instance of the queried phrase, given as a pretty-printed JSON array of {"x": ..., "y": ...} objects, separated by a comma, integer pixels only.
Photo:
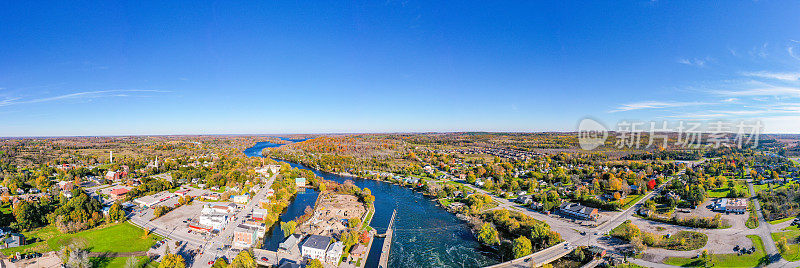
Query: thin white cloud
[
  {"x": 788, "y": 76},
  {"x": 78, "y": 95},
  {"x": 693, "y": 62},
  {"x": 763, "y": 91},
  {"x": 790, "y": 49},
  {"x": 654, "y": 105}
]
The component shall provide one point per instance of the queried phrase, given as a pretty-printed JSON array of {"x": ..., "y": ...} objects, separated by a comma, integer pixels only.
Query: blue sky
[{"x": 182, "y": 67}]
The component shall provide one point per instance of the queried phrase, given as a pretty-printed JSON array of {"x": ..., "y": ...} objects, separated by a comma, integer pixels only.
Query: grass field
[
  {"x": 122, "y": 237},
  {"x": 763, "y": 187},
  {"x": 630, "y": 200},
  {"x": 723, "y": 192},
  {"x": 793, "y": 253},
  {"x": 781, "y": 220},
  {"x": 727, "y": 260}
]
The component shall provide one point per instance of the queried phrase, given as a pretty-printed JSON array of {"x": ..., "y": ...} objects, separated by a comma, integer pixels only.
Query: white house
[{"x": 334, "y": 252}]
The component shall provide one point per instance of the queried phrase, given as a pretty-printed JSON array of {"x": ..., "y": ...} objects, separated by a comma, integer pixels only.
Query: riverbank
[{"x": 426, "y": 234}]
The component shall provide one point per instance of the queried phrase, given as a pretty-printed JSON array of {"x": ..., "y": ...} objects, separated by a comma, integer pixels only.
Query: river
[{"x": 425, "y": 234}]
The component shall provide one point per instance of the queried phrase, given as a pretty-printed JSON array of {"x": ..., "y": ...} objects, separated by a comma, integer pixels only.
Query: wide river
[{"x": 425, "y": 234}]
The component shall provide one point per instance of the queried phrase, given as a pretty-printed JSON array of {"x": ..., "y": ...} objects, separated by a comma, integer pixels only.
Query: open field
[
  {"x": 793, "y": 251},
  {"x": 723, "y": 191},
  {"x": 630, "y": 200},
  {"x": 727, "y": 260},
  {"x": 780, "y": 220},
  {"x": 105, "y": 238}
]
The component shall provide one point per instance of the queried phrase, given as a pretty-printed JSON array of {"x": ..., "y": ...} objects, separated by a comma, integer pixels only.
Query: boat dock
[{"x": 387, "y": 243}]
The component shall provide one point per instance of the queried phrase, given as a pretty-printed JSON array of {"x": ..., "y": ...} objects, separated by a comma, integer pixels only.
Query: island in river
[{"x": 425, "y": 235}]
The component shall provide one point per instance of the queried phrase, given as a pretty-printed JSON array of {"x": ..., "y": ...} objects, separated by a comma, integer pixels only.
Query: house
[
  {"x": 301, "y": 182},
  {"x": 524, "y": 199},
  {"x": 118, "y": 193},
  {"x": 579, "y": 211},
  {"x": 12, "y": 241},
  {"x": 315, "y": 247},
  {"x": 731, "y": 205},
  {"x": 291, "y": 243},
  {"x": 358, "y": 251},
  {"x": 334, "y": 252}
]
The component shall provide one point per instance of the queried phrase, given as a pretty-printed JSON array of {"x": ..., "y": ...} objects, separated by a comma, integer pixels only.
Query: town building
[
  {"x": 315, "y": 247},
  {"x": 258, "y": 214},
  {"x": 334, "y": 252},
  {"x": 182, "y": 192},
  {"x": 245, "y": 237},
  {"x": 731, "y": 205},
  {"x": 118, "y": 193},
  {"x": 241, "y": 199},
  {"x": 291, "y": 244},
  {"x": 579, "y": 211},
  {"x": 152, "y": 200},
  {"x": 213, "y": 220}
]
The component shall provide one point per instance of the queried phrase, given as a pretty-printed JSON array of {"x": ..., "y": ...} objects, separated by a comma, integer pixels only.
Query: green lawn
[
  {"x": 793, "y": 253},
  {"x": 781, "y": 220},
  {"x": 723, "y": 191},
  {"x": 727, "y": 260},
  {"x": 122, "y": 237},
  {"x": 763, "y": 187},
  {"x": 630, "y": 200}
]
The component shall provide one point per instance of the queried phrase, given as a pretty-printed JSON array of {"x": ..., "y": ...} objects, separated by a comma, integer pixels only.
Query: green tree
[
  {"x": 705, "y": 258},
  {"x": 288, "y": 228},
  {"x": 220, "y": 263},
  {"x": 488, "y": 234},
  {"x": 314, "y": 264},
  {"x": 354, "y": 222},
  {"x": 244, "y": 259},
  {"x": 172, "y": 261},
  {"x": 522, "y": 247}
]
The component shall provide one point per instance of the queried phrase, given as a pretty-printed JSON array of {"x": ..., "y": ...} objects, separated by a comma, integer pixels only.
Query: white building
[
  {"x": 334, "y": 252},
  {"x": 213, "y": 220},
  {"x": 241, "y": 199},
  {"x": 315, "y": 247}
]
